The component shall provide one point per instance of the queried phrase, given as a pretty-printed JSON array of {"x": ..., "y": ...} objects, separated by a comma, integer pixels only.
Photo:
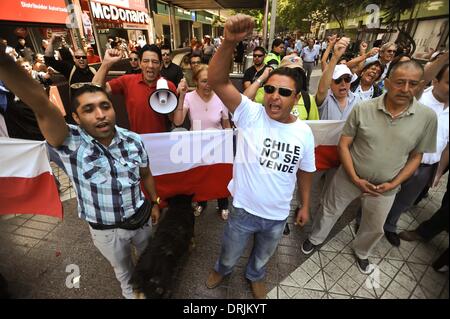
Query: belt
[
  {"x": 427, "y": 165},
  {"x": 308, "y": 62}
]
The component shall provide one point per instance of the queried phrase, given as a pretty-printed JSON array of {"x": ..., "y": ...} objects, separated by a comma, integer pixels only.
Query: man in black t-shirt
[
  {"x": 257, "y": 69},
  {"x": 170, "y": 71}
]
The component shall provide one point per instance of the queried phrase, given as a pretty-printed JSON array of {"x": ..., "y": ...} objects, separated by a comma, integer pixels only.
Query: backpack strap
[{"x": 307, "y": 102}]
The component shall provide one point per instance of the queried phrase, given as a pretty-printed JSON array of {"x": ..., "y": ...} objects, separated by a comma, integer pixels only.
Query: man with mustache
[
  {"x": 137, "y": 89},
  {"x": 104, "y": 162},
  {"x": 381, "y": 146}
]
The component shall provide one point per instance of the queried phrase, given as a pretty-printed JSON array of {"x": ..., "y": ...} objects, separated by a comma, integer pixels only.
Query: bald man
[{"x": 76, "y": 72}]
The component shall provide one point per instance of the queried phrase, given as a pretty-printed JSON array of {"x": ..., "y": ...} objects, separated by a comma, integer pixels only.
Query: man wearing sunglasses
[
  {"x": 104, "y": 162},
  {"x": 137, "y": 89},
  {"x": 335, "y": 102},
  {"x": 275, "y": 151},
  {"x": 76, "y": 72},
  {"x": 256, "y": 70},
  {"x": 134, "y": 64},
  {"x": 169, "y": 70},
  {"x": 386, "y": 55}
]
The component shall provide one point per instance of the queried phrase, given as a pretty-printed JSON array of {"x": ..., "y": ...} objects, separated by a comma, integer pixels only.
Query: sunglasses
[
  {"x": 270, "y": 89},
  {"x": 79, "y": 85},
  {"x": 135, "y": 59},
  {"x": 258, "y": 55},
  {"x": 346, "y": 79},
  {"x": 78, "y": 57},
  {"x": 165, "y": 54}
]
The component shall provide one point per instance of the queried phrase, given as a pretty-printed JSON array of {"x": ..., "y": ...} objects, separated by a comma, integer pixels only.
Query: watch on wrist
[
  {"x": 259, "y": 81},
  {"x": 157, "y": 201}
]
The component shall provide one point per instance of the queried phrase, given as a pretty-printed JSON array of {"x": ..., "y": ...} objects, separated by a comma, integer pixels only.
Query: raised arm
[
  {"x": 237, "y": 28},
  {"x": 251, "y": 90},
  {"x": 325, "y": 80},
  {"x": 431, "y": 70},
  {"x": 111, "y": 56},
  {"x": 180, "y": 112},
  {"x": 49, "y": 117},
  {"x": 358, "y": 62},
  {"x": 325, "y": 55}
]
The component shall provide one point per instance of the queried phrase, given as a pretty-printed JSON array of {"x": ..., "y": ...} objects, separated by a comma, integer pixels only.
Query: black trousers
[
  {"x": 437, "y": 223},
  {"x": 222, "y": 202}
]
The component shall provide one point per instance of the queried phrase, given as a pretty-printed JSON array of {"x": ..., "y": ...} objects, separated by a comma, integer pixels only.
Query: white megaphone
[{"x": 163, "y": 100}]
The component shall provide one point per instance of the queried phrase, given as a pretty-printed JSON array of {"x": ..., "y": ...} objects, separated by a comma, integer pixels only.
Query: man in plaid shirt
[{"x": 104, "y": 162}]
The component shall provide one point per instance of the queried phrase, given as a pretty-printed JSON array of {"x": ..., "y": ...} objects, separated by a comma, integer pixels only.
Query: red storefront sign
[{"x": 40, "y": 11}]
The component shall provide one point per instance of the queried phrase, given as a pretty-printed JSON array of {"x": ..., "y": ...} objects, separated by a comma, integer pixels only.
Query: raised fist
[
  {"x": 112, "y": 56},
  {"x": 182, "y": 87},
  {"x": 238, "y": 27},
  {"x": 341, "y": 46}
]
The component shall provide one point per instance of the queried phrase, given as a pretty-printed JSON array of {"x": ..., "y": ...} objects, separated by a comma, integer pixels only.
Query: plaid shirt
[{"x": 106, "y": 179}]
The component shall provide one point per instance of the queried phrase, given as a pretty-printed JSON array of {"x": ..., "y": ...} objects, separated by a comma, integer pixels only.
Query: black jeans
[
  {"x": 437, "y": 223},
  {"x": 222, "y": 202}
]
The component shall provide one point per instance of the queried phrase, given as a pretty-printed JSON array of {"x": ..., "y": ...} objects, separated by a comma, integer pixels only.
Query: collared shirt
[
  {"x": 442, "y": 113},
  {"x": 137, "y": 92},
  {"x": 309, "y": 55},
  {"x": 330, "y": 109},
  {"x": 106, "y": 179},
  {"x": 382, "y": 144}
]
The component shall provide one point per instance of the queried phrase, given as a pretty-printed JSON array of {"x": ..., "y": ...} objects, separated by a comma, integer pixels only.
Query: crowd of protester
[{"x": 352, "y": 88}]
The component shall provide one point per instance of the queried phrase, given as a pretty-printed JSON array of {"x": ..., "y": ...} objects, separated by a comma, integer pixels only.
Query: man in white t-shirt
[{"x": 274, "y": 151}]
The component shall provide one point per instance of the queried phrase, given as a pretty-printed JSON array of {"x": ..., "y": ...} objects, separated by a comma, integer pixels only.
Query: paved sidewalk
[{"x": 38, "y": 252}]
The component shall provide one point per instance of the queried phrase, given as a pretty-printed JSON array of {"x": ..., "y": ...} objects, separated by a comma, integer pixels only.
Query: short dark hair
[
  {"x": 87, "y": 88},
  {"x": 194, "y": 55},
  {"x": 410, "y": 63},
  {"x": 151, "y": 48},
  {"x": 166, "y": 47},
  {"x": 261, "y": 49},
  {"x": 293, "y": 73},
  {"x": 276, "y": 43},
  {"x": 369, "y": 65},
  {"x": 441, "y": 72}
]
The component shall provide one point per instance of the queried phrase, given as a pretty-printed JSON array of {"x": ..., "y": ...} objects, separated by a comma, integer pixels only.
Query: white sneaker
[{"x": 224, "y": 214}]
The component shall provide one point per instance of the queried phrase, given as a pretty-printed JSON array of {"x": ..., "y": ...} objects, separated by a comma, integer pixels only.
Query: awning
[{"x": 217, "y": 4}]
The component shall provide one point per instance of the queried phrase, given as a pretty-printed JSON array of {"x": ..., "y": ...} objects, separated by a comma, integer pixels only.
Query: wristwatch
[
  {"x": 259, "y": 81},
  {"x": 157, "y": 201}
]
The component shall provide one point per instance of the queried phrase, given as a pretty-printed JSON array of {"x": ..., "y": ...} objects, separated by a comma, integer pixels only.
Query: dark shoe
[
  {"x": 214, "y": 279},
  {"x": 441, "y": 264},
  {"x": 410, "y": 235},
  {"x": 392, "y": 238},
  {"x": 286, "y": 230},
  {"x": 259, "y": 289},
  {"x": 308, "y": 247},
  {"x": 364, "y": 266},
  {"x": 356, "y": 228}
]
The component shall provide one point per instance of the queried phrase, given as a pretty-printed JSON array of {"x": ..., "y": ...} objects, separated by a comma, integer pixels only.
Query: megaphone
[{"x": 163, "y": 100}]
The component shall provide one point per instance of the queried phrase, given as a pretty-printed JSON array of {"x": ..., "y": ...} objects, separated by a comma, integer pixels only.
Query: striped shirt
[{"x": 106, "y": 179}]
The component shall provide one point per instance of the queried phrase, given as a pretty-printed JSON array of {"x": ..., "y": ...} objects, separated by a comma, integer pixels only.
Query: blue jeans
[{"x": 240, "y": 226}]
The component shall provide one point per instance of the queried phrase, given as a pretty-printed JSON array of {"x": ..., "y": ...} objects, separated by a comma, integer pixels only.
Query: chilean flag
[
  {"x": 27, "y": 185},
  {"x": 326, "y": 138},
  {"x": 191, "y": 162}
]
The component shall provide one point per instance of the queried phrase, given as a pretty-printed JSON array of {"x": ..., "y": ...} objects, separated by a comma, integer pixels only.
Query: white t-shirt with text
[{"x": 269, "y": 154}]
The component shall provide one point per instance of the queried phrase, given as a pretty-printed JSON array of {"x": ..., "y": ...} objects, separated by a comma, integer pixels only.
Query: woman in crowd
[{"x": 206, "y": 111}]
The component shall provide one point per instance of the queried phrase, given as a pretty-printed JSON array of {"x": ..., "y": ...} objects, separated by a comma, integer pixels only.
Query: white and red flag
[
  {"x": 27, "y": 185},
  {"x": 191, "y": 162},
  {"x": 326, "y": 138}
]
